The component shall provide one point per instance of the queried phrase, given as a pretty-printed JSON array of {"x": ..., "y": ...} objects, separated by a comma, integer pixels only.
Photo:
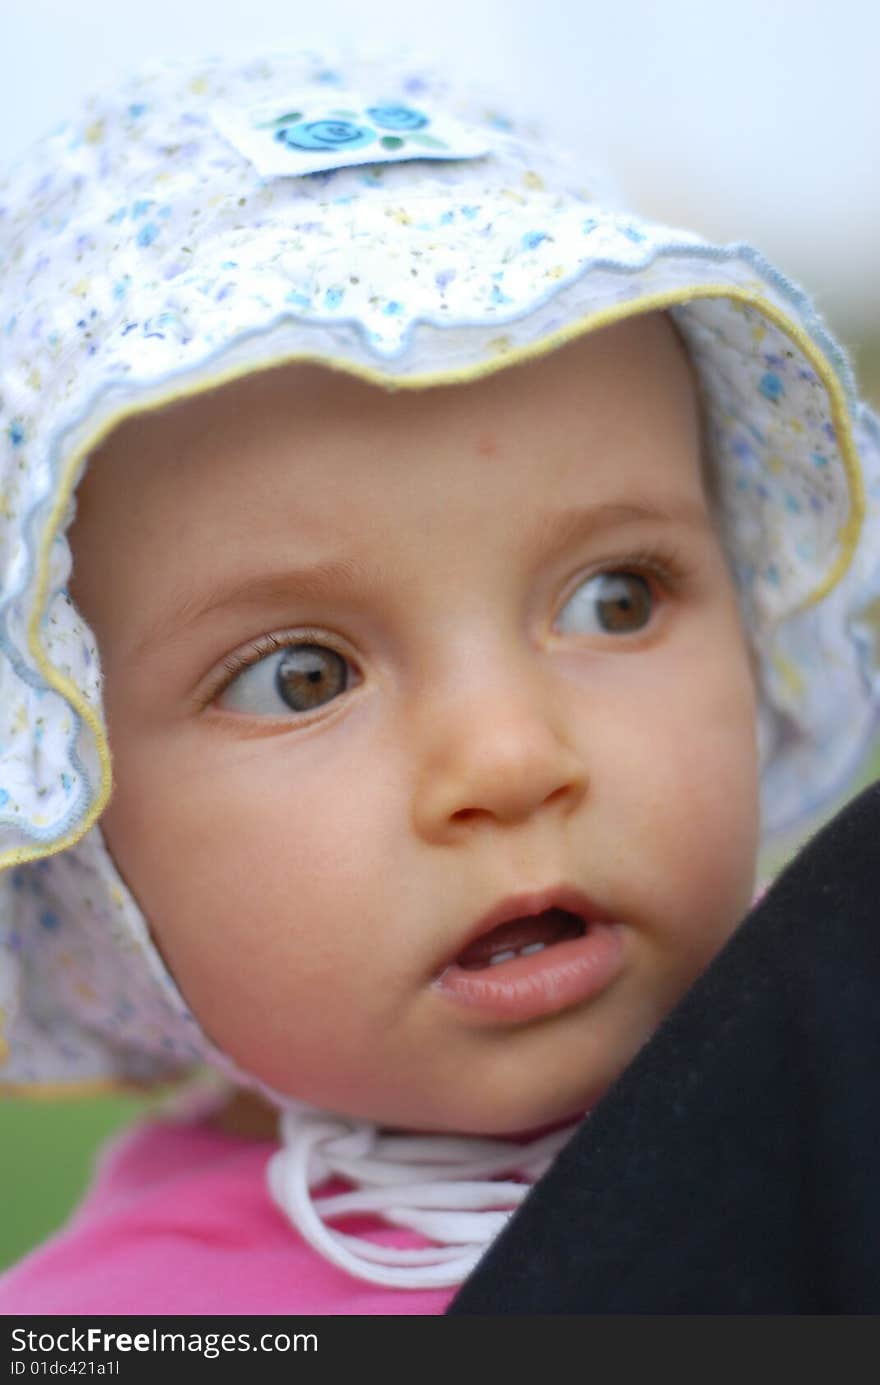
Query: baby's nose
[{"x": 496, "y": 755}]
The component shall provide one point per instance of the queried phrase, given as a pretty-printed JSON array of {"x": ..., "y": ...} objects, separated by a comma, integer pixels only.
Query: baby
[{"x": 465, "y": 576}]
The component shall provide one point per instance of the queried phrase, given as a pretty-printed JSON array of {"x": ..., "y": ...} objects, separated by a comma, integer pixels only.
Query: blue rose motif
[
  {"x": 325, "y": 134},
  {"x": 397, "y": 117}
]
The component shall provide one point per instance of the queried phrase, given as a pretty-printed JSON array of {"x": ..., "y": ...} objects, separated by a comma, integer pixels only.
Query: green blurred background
[
  {"x": 46, "y": 1153},
  {"x": 47, "y": 1147}
]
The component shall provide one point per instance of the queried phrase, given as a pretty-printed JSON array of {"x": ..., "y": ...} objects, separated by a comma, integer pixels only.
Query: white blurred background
[{"x": 758, "y": 121}]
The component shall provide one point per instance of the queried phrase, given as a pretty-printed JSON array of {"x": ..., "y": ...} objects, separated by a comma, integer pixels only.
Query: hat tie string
[{"x": 445, "y": 1187}]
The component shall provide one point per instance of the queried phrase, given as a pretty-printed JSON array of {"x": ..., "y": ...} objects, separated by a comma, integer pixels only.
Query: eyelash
[
  {"x": 234, "y": 664},
  {"x": 665, "y": 564}
]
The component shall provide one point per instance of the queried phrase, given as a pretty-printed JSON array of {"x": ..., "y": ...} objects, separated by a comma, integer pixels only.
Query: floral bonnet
[{"x": 202, "y": 222}]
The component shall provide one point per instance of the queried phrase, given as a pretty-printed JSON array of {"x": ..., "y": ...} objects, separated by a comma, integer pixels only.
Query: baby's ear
[{"x": 733, "y": 1166}]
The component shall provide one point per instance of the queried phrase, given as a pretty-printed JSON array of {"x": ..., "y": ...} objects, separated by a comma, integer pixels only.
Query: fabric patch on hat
[{"x": 316, "y": 132}]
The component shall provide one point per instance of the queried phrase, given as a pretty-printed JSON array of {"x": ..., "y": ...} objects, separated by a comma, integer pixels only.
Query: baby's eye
[
  {"x": 295, "y": 678},
  {"x": 612, "y": 603}
]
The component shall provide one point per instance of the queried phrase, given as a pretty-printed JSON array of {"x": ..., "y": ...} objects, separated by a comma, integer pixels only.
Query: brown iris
[
  {"x": 623, "y": 602},
  {"x": 308, "y": 675}
]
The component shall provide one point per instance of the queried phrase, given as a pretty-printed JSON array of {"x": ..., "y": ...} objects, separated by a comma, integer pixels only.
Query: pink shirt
[{"x": 178, "y": 1221}]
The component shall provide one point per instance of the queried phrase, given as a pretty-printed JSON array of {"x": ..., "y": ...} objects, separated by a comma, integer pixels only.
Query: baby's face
[{"x": 385, "y": 668}]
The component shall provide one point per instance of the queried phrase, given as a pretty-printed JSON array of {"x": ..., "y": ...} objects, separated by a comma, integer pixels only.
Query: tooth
[
  {"x": 531, "y": 947},
  {"x": 500, "y": 957}
]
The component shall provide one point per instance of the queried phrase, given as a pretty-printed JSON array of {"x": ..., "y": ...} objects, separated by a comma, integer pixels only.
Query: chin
[{"x": 515, "y": 1118}]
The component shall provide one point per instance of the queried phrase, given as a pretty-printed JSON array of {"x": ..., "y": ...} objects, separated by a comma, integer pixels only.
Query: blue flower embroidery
[
  {"x": 771, "y": 387},
  {"x": 397, "y": 117},
  {"x": 325, "y": 134},
  {"x": 147, "y": 234}
]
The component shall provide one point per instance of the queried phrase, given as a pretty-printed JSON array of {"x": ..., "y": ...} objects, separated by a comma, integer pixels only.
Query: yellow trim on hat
[{"x": 658, "y": 302}]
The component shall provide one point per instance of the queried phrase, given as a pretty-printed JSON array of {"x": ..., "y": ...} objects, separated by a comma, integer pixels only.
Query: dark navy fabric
[{"x": 735, "y": 1166}]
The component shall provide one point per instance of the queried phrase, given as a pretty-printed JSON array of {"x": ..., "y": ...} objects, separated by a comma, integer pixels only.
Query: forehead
[
  {"x": 302, "y": 484},
  {"x": 611, "y": 411}
]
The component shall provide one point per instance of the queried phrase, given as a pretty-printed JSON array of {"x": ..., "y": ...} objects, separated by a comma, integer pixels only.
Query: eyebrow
[
  {"x": 587, "y": 522},
  {"x": 330, "y": 576},
  {"x": 261, "y": 590}
]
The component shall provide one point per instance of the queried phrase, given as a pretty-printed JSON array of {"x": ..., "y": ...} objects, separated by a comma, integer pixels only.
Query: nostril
[
  {"x": 508, "y": 811},
  {"x": 564, "y": 791}
]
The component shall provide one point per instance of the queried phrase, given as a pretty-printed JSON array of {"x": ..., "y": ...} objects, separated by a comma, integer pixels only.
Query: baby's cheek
[
  {"x": 284, "y": 859},
  {"x": 682, "y": 789}
]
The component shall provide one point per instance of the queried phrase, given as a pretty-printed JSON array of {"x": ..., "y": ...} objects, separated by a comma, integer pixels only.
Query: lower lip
[{"x": 543, "y": 983}]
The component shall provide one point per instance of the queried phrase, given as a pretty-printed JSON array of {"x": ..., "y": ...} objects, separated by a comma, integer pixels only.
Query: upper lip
[{"x": 567, "y": 897}]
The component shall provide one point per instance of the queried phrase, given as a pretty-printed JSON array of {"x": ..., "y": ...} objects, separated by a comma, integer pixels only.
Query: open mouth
[
  {"x": 533, "y": 955},
  {"x": 520, "y": 937}
]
